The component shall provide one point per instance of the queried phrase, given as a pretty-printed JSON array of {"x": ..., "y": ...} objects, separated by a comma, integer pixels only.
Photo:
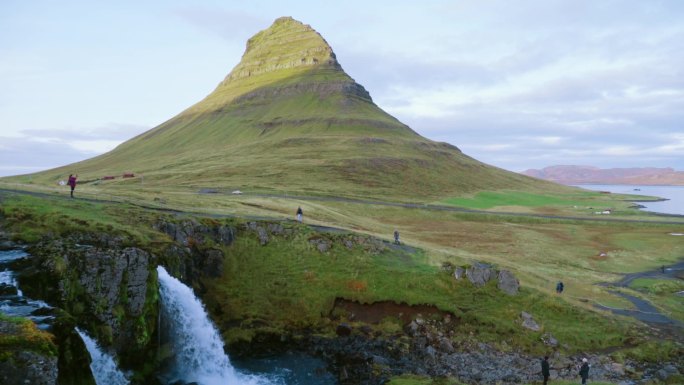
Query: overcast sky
[{"x": 516, "y": 84}]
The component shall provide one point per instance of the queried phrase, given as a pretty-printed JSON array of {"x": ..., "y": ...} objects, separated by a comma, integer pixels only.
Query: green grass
[
  {"x": 31, "y": 218},
  {"x": 287, "y": 284},
  {"x": 489, "y": 199},
  {"x": 657, "y": 286},
  {"x": 22, "y": 333},
  {"x": 574, "y": 203}
]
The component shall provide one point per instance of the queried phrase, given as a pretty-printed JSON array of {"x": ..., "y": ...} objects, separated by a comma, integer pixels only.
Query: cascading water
[
  {"x": 103, "y": 366},
  {"x": 17, "y": 305},
  {"x": 198, "y": 348}
]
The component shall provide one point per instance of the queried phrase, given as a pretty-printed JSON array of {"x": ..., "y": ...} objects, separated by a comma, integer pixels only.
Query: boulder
[
  {"x": 529, "y": 322},
  {"x": 225, "y": 235},
  {"x": 671, "y": 369},
  {"x": 343, "y": 330},
  {"x": 263, "y": 235},
  {"x": 6, "y": 289},
  {"x": 446, "y": 346},
  {"x": 459, "y": 273},
  {"x": 479, "y": 274},
  {"x": 321, "y": 244},
  {"x": 508, "y": 283},
  {"x": 549, "y": 340}
]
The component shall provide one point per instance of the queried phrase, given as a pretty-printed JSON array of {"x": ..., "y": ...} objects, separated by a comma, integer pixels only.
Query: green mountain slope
[{"x": 288, "y": 118}]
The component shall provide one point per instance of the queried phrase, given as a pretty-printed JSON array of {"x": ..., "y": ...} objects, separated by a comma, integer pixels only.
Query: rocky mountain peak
[{"x": 286, "y": 44}]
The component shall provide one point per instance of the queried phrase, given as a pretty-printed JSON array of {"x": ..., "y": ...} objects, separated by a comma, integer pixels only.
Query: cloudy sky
[{"x": 516, "y": 84}]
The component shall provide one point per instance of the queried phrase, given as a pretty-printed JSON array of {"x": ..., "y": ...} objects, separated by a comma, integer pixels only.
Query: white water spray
[
  {"x": 198, "y": 348},
  {"x": 103, "y": 365}
]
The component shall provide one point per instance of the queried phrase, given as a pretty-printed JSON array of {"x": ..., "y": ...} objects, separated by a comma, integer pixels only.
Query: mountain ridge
[{"x": 573, "y": 174}]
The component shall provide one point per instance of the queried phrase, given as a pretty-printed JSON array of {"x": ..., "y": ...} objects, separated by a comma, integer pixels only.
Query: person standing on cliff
[
  {"x": 584, "y": 371},
  {"x": 72, "y": 183},
  {"x": 545, "y": 369},
  {"x": 300, "y": 213}
]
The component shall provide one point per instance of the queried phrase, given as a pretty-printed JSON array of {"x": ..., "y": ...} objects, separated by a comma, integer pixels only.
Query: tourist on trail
[
  {"x": 72, "y": 183},
  {"x": 299, "y": 214},
  {"x": 545, "y": 369},
  {"x": 396, "y": 237},
  {"x": 559, "y": 287},
  {"x": 584, "y": 371}
]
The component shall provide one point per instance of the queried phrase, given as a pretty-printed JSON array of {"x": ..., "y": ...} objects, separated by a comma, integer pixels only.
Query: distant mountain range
[{"x": 589, "y": 174}]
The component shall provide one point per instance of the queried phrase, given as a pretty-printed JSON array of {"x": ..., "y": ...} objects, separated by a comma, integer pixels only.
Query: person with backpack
[{"x": 559, "y": 287}]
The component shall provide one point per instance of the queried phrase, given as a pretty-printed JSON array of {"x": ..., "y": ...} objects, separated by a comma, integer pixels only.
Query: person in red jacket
[{"x": 72, "y": 183}]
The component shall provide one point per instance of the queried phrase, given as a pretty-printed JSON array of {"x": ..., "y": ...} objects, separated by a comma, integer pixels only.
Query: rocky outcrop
[
  {"x": 480, "y": 273},
  {"x": 112, "y": 278},
  {"x": 27, "y": 367},
  {"x": 528, "y": 322},
  {"x": 508, "y": 283},
  {"x": 190, "y": 232},
  {"x": 101, "y": 282},
  {"x": 430, "y": 348}
]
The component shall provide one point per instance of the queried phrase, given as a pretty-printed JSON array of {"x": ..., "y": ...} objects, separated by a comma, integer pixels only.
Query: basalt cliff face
[{"x": 289, "y": 118}]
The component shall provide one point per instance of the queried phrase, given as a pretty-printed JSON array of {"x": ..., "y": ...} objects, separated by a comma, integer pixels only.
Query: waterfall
[
  {"x": 103, "y": 365},
  {"x": 197, "y": 345}
]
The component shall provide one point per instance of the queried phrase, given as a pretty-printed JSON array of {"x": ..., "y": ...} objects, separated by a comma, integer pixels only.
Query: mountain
[
  {"x": 589, "y": 174},
  {"x": 288, "y": 118}
]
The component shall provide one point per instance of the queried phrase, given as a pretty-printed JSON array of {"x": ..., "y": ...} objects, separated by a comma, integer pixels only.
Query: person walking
[
  {"x": 396, "y": 237},
  {"x": 545, "y": 369},
  {"x": 584, "y": 371},
  {"x": 559, "y": 287},
  {"x": 300, "y": 214},
  {"x": 72, "y": 183}
]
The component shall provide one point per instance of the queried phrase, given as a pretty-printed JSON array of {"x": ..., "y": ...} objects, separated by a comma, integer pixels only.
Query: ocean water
[{"x": 674, "y": 195}]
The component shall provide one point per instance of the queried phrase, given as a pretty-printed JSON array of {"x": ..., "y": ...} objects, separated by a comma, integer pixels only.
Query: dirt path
[{"x": 643, "y": 310}]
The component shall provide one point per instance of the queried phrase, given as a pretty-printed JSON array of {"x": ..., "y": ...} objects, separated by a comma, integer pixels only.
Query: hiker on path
[
  {"x": 545, "y": 369},
  {"x": 72, "y": 183},
  {"x": 584, "y": 371},
  {"x": 300, "y": 213},
  {"x": 559, "y": 287},
  {"x": 396, "y": 237}
]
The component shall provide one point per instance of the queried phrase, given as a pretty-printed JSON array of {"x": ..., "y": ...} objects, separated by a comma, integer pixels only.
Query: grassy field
[{"x": 288, "y": 283}]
